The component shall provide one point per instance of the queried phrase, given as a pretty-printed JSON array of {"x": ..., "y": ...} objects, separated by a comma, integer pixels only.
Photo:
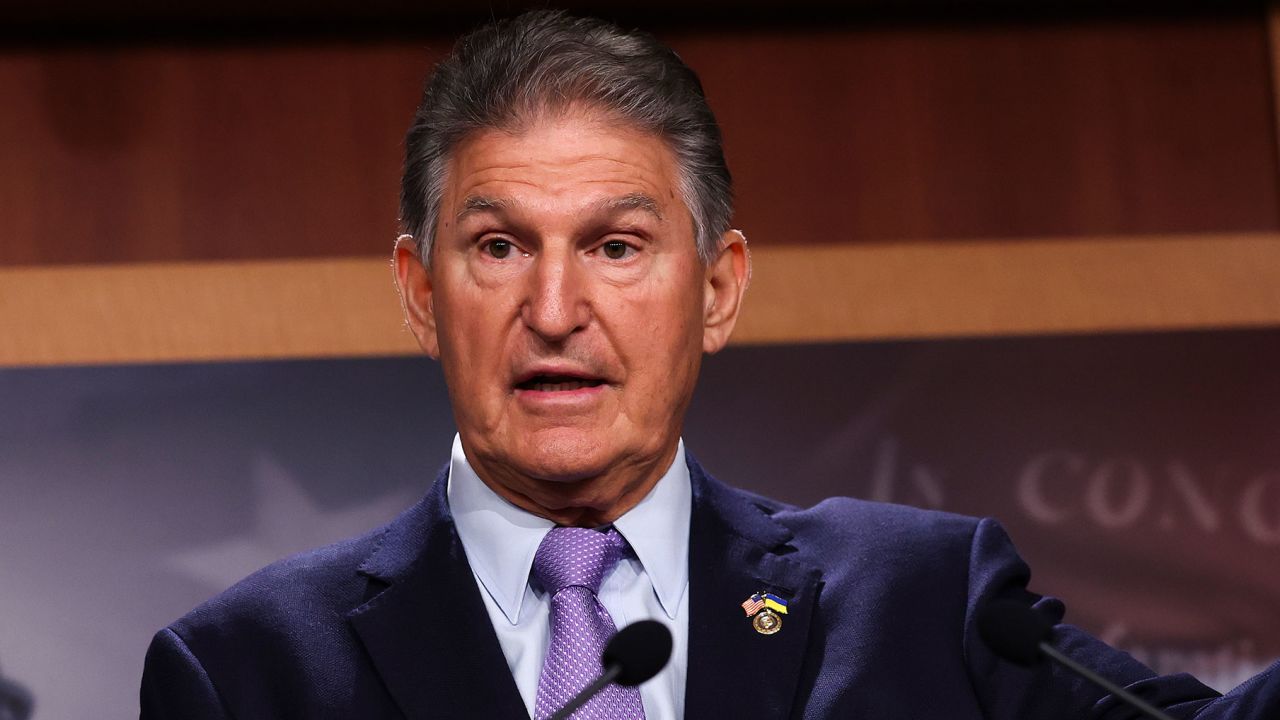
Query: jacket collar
[
  {"x": 424, "y": 623},
  {"x": 737, "y": 549}
]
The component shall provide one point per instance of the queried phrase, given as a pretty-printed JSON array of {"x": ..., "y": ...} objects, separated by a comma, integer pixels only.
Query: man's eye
[
  {"x": 499, "y": 249},
  {"x": 615, "y": 249}
]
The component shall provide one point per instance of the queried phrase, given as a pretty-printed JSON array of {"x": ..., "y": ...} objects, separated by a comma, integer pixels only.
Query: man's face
[{"x": 568, "y": 306}]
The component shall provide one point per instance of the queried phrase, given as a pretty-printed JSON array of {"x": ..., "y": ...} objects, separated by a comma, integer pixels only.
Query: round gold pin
[{"x": 767, "y": 622}]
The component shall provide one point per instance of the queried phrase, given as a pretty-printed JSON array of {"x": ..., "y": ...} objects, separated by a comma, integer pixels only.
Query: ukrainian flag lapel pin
[{"x": 766, "y": 611}]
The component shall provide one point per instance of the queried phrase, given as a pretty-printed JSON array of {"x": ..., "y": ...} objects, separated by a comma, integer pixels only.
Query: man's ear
[
  {"x": 727, "y": 277},
  {"x": 414, "y": 282}
]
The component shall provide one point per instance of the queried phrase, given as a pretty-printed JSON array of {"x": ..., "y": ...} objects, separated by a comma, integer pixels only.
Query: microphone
[
  {"x": 1019, "y": 634},
  {"x": 15, "y": 701},
  {"x": 633, "y": 655}
]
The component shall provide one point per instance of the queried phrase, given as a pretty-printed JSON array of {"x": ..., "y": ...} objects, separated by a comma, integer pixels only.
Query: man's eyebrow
[
  {"x": 479, "y": 203},
  {"x": 632, "y": 201}
]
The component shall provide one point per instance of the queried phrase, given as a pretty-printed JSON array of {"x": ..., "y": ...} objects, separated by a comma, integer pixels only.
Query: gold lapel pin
[{"x": 766, "y": 611}]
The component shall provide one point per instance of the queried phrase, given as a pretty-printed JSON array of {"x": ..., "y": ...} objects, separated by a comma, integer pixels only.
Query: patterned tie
[{"x": 569, "y": 565}]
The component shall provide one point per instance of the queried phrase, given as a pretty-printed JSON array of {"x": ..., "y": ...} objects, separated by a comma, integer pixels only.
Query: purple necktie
[{"x": 569, "y": 565}]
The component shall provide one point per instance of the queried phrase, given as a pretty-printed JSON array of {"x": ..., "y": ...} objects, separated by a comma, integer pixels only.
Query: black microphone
[
  {"x": 1019, "y": 634},
  {"x": 633, "y": 655},
  {"x": 15, "y": 701}
]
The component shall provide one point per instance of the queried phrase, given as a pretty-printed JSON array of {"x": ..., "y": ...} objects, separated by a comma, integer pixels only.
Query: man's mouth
[{"x": 558, "y": 383}]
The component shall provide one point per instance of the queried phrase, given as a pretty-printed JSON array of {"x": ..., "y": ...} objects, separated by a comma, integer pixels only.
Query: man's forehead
[
  {"x": 564, "y": 153},
  {"x": 500, "y": 205}
]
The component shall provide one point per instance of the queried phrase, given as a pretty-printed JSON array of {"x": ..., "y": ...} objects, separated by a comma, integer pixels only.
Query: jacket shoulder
[
  {"x": 292, "y": 591},
  {"x": 909, "y": 548},
  {"x": 313, "y": 588},
  {"x": 279, "y": 643},
  {"x": 844, "y": 519}
]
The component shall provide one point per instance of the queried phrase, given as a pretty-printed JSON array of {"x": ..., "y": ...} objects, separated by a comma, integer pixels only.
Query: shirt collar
[
  {"x": 501, "y": 539},
  {"x": 657, "y": 529}
]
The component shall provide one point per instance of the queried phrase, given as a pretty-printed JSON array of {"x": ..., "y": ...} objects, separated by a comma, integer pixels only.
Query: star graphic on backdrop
[{"x": 286, "y": 521}]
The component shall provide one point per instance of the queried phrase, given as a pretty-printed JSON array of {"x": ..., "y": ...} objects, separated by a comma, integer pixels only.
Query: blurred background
[{"x": 1010, "y": 262}]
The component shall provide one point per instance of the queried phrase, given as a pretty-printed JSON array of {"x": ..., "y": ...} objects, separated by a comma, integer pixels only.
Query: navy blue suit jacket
[{"x": 880, "y": 625}]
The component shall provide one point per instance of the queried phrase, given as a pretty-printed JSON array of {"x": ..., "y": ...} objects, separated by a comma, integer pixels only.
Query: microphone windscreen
[
  {"x": 1013, "y": 630},
  {"x": 639, "y": 651}
]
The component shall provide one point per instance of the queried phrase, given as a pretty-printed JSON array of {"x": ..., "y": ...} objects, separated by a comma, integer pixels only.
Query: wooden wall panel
[
  {"x": 165, "y": 312},
  {"x": 168, "y": 153},
  {"x": 1273, "y": 36},
  {"x": 1003, "y": 131},
  {"x": 918, "y": 132}
]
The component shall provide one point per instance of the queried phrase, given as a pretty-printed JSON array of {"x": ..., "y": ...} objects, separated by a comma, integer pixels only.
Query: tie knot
[{"x": 571, "y": 556}]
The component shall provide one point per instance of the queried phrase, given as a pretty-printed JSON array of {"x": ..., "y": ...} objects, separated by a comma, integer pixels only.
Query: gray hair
[{"x": 504, "y": 74}]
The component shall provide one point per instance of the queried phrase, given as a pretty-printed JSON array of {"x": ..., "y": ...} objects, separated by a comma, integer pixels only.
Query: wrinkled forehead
[{"x": 567, "y": 162}]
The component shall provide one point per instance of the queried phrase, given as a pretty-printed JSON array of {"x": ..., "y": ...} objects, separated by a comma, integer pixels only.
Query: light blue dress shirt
[{"x": 501, "y": 539}]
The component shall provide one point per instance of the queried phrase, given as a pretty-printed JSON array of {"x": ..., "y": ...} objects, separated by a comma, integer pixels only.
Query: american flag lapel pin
[{"x": 766, "y": 611}]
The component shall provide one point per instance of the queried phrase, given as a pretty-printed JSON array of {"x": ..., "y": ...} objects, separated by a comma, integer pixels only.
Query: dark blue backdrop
[{"x": 1140, "y": 475}]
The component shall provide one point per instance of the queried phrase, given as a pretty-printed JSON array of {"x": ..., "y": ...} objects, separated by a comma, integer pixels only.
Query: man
[{"x": 568, "y": 260}]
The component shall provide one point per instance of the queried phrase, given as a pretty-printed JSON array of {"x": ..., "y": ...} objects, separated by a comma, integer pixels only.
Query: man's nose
[{"x": 556, "y": 304}]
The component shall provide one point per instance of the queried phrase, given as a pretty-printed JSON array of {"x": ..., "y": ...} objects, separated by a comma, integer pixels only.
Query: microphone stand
[
  {"x": 1132, "y": 700},
  {"x": 611, "y": 673}
]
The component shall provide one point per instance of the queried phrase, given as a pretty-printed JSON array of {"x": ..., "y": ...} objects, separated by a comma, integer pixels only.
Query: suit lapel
[
  {"x": 428, "y": 633},
  {"x": 734, "y": 551}
]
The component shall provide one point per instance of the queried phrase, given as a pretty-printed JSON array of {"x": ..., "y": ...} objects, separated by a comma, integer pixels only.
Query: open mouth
[{"x": 558, "y": 383}]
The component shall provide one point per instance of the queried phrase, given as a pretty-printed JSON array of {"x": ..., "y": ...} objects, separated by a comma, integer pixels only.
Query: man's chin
[
  {"x": 566, "y": 453},
  {"x": 573, "y": 477},
  {"x": 574, "y": 455},
  {"x": 567, "y": 465}
]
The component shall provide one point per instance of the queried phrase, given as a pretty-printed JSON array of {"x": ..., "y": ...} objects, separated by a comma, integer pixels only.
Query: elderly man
[{"x": 568, "y": 260}]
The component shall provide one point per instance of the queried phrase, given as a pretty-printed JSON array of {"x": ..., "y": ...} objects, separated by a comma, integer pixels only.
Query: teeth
[{"x": 559, "y": 387}]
